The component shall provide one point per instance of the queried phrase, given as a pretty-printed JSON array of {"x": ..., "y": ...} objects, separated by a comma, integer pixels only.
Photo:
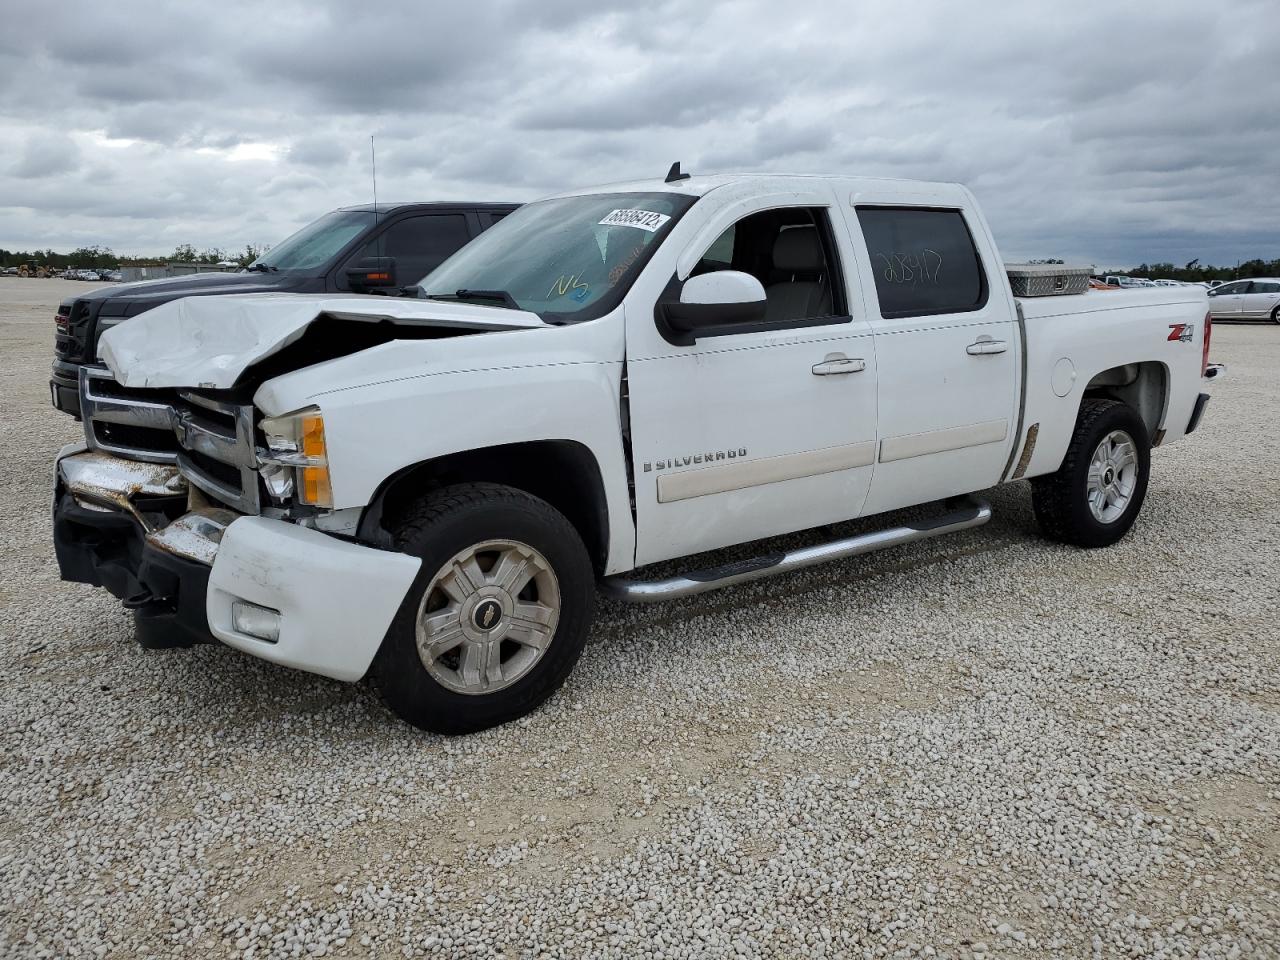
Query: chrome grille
[
  {"x": 217, "y": 450},
  {"x": 211, "y": 441},
  {"x": 134, "y": 424}
]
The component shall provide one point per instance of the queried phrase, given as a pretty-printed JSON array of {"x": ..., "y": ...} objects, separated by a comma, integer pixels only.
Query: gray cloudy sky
[{"x": 1094, "y": 131}]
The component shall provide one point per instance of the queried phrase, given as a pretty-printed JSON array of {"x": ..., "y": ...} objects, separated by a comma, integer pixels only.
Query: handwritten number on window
[{"x": 916, "y": 268}]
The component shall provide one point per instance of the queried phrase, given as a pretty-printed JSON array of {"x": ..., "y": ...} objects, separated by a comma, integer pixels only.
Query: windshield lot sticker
[{"x": 644, "y": 219}]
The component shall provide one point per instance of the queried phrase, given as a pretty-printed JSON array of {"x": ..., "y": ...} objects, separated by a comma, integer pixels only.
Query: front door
[
  {"x": 1227, "y": 301},
  {"x": 757, "y": 432},
  {"x": 947, "y": 347}
]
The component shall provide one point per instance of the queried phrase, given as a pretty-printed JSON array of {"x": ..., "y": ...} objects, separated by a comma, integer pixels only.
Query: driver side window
[{"x": 791, "y": 253}]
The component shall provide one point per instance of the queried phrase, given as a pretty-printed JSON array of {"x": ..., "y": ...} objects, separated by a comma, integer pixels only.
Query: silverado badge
[{"x": 688, "y": 461}]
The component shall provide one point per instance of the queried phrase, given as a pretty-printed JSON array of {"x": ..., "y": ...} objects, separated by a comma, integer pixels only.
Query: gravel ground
[{"x": 983, "y": 745}]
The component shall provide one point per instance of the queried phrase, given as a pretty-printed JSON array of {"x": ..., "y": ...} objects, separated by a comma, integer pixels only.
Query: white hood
[{"x": 209, "y": 341}]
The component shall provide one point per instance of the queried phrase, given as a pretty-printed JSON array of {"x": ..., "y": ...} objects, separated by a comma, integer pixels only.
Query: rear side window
[{"x": 924, "y": 261}]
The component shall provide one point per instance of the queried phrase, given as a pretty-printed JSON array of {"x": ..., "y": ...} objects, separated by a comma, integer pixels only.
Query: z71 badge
[{"x": 1182, "y": 331}]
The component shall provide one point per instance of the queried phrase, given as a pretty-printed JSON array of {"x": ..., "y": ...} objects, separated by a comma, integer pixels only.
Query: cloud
[
  {"x": 46, "y": 154},
  {"x": 1090, "y": 131}
]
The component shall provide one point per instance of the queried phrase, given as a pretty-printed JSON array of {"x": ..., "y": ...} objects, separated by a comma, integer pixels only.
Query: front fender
[{"x": 435, "y": 398}]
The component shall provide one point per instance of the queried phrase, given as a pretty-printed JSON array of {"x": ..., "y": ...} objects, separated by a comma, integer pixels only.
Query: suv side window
[
  {"x": 924, "y": 260},
  {"x": 791, "y": 252},
  {"x": 419, "y": 244}
]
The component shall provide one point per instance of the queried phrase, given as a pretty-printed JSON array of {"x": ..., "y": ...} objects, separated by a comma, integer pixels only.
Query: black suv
[{"x": 351, "y": 250}]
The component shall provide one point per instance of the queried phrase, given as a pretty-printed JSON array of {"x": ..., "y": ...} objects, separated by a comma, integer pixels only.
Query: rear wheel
[
  {"x": 1097, "y": 493},
  {"x": 499, "y": 613}
]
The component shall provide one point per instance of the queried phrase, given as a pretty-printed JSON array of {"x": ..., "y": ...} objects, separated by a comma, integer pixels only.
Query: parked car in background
[
  {"x": 1246, "y": 300},
  {"x": 350, "y": 250}
]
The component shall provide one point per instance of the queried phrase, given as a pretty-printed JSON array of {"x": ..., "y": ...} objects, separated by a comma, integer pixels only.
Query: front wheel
[
  {"x": 1097, "y": 493},
  {"x": 498, "y": 615},
  {"x": 1275, "y": 315}
]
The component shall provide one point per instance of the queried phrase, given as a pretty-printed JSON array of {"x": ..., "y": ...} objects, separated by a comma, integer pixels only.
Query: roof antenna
[{"x": 674, "y": 174}]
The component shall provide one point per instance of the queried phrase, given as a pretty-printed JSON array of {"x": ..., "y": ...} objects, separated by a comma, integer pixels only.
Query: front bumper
[
  {"x": 64, "y": 387},
  {"x": 121, "y": 525}
]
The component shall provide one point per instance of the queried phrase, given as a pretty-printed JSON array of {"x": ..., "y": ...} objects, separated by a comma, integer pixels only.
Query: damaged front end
[
  {"x": 207, "y": 522},
  {"x": 142, "y": 533}
]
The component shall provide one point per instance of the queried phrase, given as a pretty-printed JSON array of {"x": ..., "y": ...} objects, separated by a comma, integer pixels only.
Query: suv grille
[{"x": 211, "y": 441}]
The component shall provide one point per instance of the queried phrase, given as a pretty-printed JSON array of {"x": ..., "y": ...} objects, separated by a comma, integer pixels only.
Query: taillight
[
  {"x": 61, "y": 320},
  {"x": 1208, "y": 332}
]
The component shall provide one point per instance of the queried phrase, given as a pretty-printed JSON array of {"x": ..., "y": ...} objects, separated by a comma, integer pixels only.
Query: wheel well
[
  {"x": 1143, "y": 386},
  {"x": 562, "y": 472}
]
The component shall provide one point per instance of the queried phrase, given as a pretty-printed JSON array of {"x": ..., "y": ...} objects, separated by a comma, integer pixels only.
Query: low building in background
[{"x": 174, "y": 268}]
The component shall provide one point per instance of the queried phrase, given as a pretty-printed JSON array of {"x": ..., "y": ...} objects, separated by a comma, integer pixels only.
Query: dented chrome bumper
[
  {"x": 188, "y": 569},
  {"x": 150, "y": 493}
]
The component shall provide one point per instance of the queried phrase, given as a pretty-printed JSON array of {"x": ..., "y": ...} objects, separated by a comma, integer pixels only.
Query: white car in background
[{"x": 1257, "y": 299}]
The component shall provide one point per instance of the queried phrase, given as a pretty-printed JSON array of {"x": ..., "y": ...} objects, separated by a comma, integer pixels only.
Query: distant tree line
[
  {"x": 1196, "y": 272},
  {"x": 102, "y": 258}
]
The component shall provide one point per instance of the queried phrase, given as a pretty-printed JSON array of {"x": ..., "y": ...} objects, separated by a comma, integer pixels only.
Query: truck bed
[{"x": 1159, "y": 327}]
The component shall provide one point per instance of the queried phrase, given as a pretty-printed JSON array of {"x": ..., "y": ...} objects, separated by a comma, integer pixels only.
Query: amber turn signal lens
[{"x": 314, "y": 487}]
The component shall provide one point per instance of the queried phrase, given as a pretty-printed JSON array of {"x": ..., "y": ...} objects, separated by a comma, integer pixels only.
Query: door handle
[
  {"x": 985, "y": 345},
  {"x": 836, "y": 363}
]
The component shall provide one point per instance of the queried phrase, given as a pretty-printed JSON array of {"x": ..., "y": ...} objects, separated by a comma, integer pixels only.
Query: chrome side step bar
[{"x": 972, "y": 513}]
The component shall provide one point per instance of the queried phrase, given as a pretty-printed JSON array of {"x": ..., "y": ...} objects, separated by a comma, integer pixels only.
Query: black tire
[
  {"x": 1061, "y": 499},
  {"x": 1275, "y": 315},
  {"x": 437, "y": 528}
]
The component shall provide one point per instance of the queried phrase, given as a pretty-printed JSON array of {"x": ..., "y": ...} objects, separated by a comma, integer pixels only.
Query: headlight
[{"x": 295, "y": 458}]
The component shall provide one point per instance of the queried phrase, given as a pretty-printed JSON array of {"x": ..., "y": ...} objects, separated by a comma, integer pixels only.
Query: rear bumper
[{"x": 334, "y": 600}]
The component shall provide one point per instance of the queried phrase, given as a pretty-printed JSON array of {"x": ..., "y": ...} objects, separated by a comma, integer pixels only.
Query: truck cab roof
[
  {"x": 434, "y": 206},
  {"x": 701, "y": 185}
]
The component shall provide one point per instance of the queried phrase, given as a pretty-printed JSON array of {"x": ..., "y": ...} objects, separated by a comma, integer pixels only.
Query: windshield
[
  {"x": 569, "y": 259},
  {"x": 317, "y": 243}
]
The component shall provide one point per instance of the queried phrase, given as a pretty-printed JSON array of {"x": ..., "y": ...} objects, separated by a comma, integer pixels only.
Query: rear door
[
  {"x": 1262, "y": 297},
  {"x": 946, "y": 348},
  {"x": 748, "y": 433}
]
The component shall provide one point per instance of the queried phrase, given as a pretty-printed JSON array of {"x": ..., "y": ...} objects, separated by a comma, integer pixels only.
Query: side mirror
[
  {"x": 372, "y": 272},
  {"x": 723, "y": 298}
]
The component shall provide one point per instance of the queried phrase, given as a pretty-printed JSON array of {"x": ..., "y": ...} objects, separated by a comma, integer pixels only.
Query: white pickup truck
[{"x": 430, "y": 490}]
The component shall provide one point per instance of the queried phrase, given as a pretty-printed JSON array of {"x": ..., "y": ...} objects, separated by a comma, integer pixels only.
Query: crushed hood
[{"x": 209, "y": 342}]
